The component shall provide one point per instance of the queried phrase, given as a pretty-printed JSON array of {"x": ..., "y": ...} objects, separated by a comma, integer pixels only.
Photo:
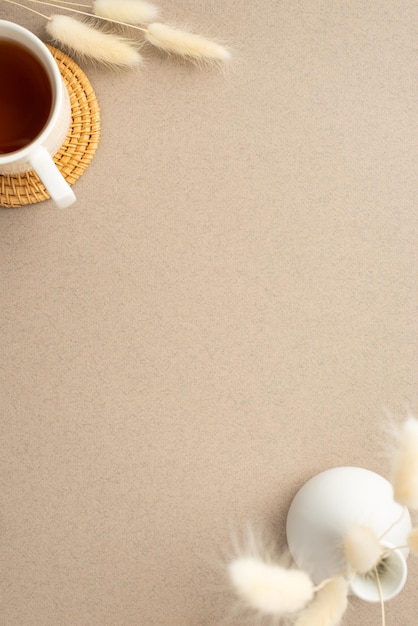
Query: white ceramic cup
[{"x": 37, "y": 155}]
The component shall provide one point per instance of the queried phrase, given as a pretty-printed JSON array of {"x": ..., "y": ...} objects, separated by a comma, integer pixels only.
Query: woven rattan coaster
[{"x": 79, "y": 147}]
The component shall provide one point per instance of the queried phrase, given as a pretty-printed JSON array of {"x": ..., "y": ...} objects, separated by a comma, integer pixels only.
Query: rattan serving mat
[{"x": 79, "y": 147}]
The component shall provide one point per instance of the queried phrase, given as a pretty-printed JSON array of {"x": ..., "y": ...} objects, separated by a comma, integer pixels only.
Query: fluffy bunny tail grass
[
  {"x": 328, "y": 606},
  {"x": 362, "y": 548},
  {"x": 87, "y": 41},
  {"x": 405, "y": 465},
  {"x": 128, "y": 11},
  {"x": 270, "y": 588},
  {"x": 413, "y": 540},
  {"x": 185, "y": 44}
]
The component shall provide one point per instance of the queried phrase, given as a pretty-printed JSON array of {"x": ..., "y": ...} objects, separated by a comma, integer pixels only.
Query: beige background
[{"x": 229, "y": 308}]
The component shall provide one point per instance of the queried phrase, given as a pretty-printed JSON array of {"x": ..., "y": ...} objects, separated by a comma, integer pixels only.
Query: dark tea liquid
[{"x": 25, "y": 96}]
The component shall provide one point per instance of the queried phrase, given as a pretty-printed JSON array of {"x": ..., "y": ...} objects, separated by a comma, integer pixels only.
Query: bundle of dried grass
[
  {"x": 87, "y": 40},
  {"x": 276, "y": 591}
]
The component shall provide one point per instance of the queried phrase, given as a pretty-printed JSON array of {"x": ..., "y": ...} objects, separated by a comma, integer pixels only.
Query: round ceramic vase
[{"x": 327, "y": 506}]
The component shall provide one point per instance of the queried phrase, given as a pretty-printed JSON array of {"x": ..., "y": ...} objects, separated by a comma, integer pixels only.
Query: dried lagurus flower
[
  {"x": 87, "y": 41},
  {"x": 185, "y": 44},
  {"x": 127, "y": 11},
  {"x": 269, "y": 588}
]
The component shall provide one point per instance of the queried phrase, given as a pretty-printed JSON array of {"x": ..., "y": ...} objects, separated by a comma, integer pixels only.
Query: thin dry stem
[
  {"x": 74, "y": 4},
  {"x": 397, "y": 521},
  {"x": 22, "y": 6},
  {"x": 382, "y": 602}
]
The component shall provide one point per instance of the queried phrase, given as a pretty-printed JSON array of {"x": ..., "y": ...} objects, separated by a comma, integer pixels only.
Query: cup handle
[{"x": 59, "y": 190}]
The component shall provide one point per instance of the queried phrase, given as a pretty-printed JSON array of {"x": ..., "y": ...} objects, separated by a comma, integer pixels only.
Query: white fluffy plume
[
  {"x": 405, "y": 464},
  {"x": 128, "y": 11},
  {"x": 270, "y": 588},
  {"x": 185, "y": 44},
  {"x": 413, "y": 540},
  {"x": 328, "y": 606},
  {"x": 362, "y": 548},
  {"x": 87, "y": 41}
]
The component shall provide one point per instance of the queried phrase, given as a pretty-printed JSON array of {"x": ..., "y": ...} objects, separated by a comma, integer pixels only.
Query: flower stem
[
  {"x": 397, "y": 521},
  {"x": 74, "y": 4},
  {"x": 22, "y": 6},
  {"x": 389, "y": 550},
  {"x": 382, "y": 602}
]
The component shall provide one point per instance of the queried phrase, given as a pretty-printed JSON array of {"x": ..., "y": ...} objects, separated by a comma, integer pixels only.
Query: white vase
[{"x": 327, "y": 506}]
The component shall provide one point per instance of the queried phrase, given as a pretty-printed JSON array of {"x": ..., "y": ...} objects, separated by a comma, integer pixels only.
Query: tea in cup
[{"x": 35, "y": 111}]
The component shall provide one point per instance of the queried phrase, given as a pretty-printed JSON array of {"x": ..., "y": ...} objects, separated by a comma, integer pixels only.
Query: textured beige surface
[{"x": 229, "y": 308}]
